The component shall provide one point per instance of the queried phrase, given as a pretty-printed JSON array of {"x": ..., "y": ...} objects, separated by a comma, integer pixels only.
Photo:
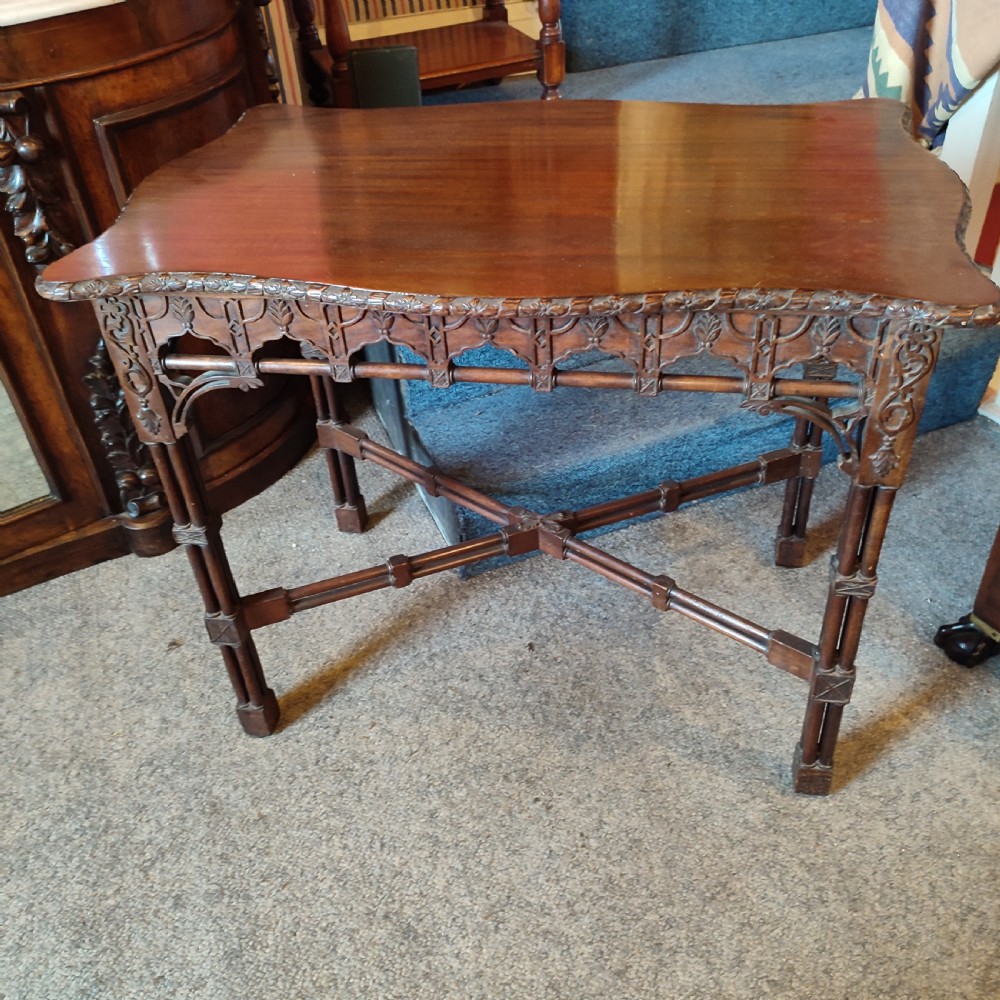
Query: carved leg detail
[
  {"x": 197, "y": 529},
  {"x": 790, "y": 545},
  {"x": 852, "y": 584},
  {"x": 349, "y": 504}
]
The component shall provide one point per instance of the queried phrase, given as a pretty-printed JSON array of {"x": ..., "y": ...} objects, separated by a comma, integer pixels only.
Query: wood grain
[{"x": 561, "y": 199}]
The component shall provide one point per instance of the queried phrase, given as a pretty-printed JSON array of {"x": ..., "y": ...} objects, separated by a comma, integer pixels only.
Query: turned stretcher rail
[{"x": 824, "y": 388}]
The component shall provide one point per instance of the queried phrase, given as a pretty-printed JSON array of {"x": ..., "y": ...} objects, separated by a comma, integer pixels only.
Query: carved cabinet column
[{"x": 90, "y": 103}]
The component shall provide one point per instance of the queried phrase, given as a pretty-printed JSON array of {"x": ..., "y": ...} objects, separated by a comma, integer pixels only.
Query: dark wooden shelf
[{"x": 459, "y": 54}]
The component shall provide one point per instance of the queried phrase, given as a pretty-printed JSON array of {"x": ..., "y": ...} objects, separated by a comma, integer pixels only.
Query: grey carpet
[{"x": 504, "y": 787}]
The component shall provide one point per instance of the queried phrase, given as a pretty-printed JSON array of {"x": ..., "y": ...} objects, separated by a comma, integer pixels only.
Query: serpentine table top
[{"x": 546, "y": 201}]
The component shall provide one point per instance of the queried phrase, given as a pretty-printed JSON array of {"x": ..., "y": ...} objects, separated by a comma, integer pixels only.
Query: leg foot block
[
  {"x": 352, "y": 519},
  {"x": 789, "y": 550},
  {"x": 810, "y": 779},
  {"x": 260, "y": 720}
]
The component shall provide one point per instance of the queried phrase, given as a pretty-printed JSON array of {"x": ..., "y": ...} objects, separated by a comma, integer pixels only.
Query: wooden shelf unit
[{"x": 451, "y": 55}]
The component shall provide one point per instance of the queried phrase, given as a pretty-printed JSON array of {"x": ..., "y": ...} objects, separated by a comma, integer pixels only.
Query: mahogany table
[{"x": 811, "y": 247}]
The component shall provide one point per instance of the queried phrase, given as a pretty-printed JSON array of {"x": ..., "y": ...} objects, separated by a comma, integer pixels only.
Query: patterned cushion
[{"x": 932, "y": 55}]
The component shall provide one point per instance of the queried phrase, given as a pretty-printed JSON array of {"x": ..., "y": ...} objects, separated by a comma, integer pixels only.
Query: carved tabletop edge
[{"x": 762, "y": 300}]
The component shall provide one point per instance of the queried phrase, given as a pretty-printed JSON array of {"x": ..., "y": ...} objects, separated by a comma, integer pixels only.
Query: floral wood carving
[
  {"x": 24, "y": 179},
  {"x": 126, "y": 336},
  {"x": 791, "y": 301},
  {"x": 892, "y": 356},
  {"x": 32, "y": 199},
  {"x": 135, "y": 476},
  {"x": 912, "y": 354},
  {"x": 762, "y": 346}
]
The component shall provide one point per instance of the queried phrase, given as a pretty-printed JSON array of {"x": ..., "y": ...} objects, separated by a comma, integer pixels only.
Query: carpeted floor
[{"x": 505, "y": 787}]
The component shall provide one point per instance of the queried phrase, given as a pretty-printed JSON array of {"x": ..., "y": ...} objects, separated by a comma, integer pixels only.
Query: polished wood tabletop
[{"x": 539, "y": 200}]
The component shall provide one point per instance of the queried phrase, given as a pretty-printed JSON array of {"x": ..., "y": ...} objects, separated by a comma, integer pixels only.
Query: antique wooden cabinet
[{"x": 90, "y": 103}]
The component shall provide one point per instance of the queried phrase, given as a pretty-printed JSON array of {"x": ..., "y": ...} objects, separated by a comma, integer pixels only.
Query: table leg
[
  {"x": 551, "y": 49},
  {"x": 790, "y": 545},
  {"x": 852, "y": 584},
  {"x": 198, "y": 530},
  {"x": 350, "y": 510}
]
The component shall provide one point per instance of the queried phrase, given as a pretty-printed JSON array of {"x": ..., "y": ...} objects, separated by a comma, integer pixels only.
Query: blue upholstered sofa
[{"x": 611, "y": 32}]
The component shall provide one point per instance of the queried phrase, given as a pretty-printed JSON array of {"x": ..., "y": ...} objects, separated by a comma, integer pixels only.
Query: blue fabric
[
  {"x": 571, "y": 448},
  {"x": 601, "y": 33}
]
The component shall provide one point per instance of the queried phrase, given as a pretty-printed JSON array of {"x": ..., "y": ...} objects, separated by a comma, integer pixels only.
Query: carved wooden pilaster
[
  {"x": 25, "y": 178},
  {"x": 34, "y": 201}
]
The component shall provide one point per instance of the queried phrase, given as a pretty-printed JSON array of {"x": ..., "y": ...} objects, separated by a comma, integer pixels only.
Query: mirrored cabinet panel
[{"x": 21, "y": 476}]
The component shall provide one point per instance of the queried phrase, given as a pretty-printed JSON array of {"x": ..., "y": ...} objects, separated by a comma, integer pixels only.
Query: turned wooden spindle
[
  {"x": 311, "y": 52},
  {"x": 551, "y": 50}
]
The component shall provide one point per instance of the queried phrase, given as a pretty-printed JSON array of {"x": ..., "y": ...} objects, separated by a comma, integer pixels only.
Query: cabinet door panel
[{"x": 106, "y": 96}]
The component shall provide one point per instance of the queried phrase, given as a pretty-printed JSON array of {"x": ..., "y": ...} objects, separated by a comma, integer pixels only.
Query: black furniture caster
[{"x": 965, "y": 643}]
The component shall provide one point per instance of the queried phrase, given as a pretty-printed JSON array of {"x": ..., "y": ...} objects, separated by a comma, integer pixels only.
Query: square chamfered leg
[
  {"x": 198, "y": 530},
  {"x": 790, "y": 543},
  {"x": 852, "y": 584},
  {"x": 349, "y": 504},
  {"x": 902, "y": 359}
]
